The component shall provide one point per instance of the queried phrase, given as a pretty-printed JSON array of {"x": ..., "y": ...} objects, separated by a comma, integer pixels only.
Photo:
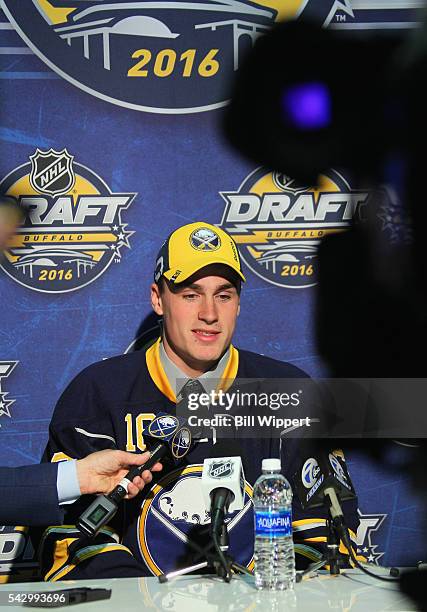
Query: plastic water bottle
[{"x": 274, "y": 549}]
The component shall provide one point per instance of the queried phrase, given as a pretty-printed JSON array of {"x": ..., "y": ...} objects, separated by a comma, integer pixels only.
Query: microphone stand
[
  {"x": 224, "y": 572},
  {"x": 221, "y": 564},
  {"x": 338, "y": 531},
  {"x": 332, "y": 556},
  {"x": 332, "y": 548}
]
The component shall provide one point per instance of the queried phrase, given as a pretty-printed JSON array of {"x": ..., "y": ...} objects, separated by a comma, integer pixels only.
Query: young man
[{"x": 197, "y": 293}]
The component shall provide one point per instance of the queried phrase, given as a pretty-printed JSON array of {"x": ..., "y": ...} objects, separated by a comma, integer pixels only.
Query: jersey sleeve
[{"x": 80, "y": 425}]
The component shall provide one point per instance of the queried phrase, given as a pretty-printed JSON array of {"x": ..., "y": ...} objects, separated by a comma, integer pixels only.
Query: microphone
[
  {"x": 323, "y": 478},
  {"x": 323, "y": 474},
  {"x": 165, "y": 437},
  {"x": 223, "y": 482}
]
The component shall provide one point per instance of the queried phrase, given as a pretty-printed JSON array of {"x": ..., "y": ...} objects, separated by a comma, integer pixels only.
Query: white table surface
[{"x": 352, "y": 590}]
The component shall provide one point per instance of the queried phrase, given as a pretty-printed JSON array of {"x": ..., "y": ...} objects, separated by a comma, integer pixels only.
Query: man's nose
[{"x": 208, "y": 311}]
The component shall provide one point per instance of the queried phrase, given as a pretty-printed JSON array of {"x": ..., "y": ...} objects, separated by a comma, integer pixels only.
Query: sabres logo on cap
[
  {"x": 181, "y": 443},
  {"x": 205, "y": 239},
  {"x": 163, "y": 427}
]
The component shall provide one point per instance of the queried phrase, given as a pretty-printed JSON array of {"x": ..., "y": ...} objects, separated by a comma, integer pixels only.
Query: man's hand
[{"x": 100, "y": 472}]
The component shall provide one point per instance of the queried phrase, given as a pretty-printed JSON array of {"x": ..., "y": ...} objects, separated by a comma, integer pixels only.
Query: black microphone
[
  {"x": 223, "y": 482},
  {"x": 321, "y": 474},
  {"x": 165, "y": 437},
  {"x": 323, "y": 478}
]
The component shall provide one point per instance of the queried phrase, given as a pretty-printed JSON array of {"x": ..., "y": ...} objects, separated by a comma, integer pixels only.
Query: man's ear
[{"x": 156, "y": 299}]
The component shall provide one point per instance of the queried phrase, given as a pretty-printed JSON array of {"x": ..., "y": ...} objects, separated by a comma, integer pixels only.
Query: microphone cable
[{"x": 345, "y": 537}]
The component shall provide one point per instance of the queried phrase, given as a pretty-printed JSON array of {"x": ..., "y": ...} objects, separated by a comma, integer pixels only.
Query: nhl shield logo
[
  {"x": 221, "y": 469},
  {"x": 52, "y": 171},
  {"x": 283, "y": 181}
]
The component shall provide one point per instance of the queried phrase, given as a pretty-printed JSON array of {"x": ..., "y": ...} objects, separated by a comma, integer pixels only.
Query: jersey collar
[{"x": 165, "y": 373}]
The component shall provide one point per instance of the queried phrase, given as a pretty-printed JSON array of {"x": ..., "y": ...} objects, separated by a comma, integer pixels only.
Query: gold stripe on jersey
[
  {"x": 87, "y": 553},
  {"x": 306, "y": 524},
  {"x": 157, "y": 372},
  {"x": 230, "y": 370},
  {"x": 60, "y": 550},
  {"x": 60, "y": 456},
  {"x": 60, "y": 556}
]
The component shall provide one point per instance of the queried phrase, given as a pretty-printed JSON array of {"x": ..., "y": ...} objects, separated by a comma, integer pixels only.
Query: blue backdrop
[{"x": 118, "y": 113}]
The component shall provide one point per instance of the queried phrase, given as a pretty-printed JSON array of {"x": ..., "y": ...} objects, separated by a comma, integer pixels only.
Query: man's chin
[{"x": 207, "y": 358}]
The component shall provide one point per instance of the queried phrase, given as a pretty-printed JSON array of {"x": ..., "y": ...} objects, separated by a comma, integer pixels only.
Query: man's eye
[
  {"x": 189, "y": 296},
  {"x": 224, "y": 297}
]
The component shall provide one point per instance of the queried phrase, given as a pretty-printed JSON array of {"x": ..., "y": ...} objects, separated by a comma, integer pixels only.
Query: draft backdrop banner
[{"x": 110, "y": 137}]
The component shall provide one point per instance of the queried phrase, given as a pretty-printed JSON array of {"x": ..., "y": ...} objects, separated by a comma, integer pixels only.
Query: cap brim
[{"x": 186, "y": 271}]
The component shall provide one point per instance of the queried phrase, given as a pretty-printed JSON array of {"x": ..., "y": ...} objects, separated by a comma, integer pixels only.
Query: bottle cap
[{"x": 271, "y": 465}]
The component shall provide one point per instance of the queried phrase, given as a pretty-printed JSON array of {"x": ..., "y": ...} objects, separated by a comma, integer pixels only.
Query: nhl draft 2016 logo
[
  {"x": 278, "y": 224},
  {"x": 164, "y": 57},
  {"x": 170, "y": 56},
  {"x": 6, "y": 369},
  {"x": 73, "y": 228}
]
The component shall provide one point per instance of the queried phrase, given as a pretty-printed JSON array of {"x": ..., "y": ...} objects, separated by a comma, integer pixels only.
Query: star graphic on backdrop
[
  {"x": 339, "y": 5},
  {"x": 125, "y": 235},
  {"x": 5, "y": 404},
  {"x": 122, "y": 235}
]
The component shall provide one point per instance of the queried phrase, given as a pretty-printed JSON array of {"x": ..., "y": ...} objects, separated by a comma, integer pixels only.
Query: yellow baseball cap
[{"x": 193, "y": 247}]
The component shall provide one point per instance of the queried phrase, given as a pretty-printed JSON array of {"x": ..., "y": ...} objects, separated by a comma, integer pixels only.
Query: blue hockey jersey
[{"x": 108, "y": 405}]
